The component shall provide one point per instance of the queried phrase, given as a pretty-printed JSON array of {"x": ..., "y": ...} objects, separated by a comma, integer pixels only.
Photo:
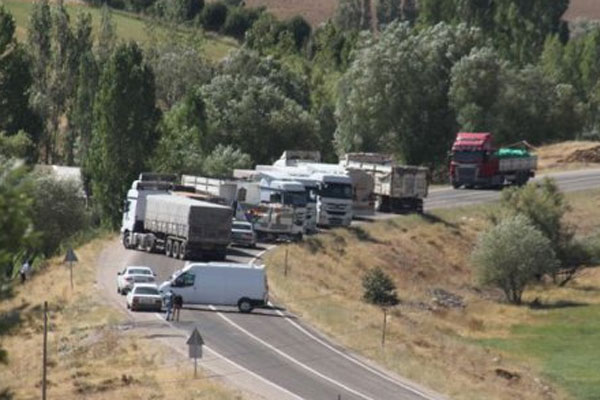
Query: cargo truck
[
  {"x": 276, "y": 217},
  {"x": 396, "y": 188},
  {"x": 154, "y": 220},
  {"x": 476, "y": 162}
]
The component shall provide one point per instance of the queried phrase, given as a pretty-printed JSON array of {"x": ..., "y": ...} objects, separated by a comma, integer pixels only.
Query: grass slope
[
  {"x": 458, "y": 351},
  {"x": 89, "y": 355},
  {"x": 129, "y": 26}
]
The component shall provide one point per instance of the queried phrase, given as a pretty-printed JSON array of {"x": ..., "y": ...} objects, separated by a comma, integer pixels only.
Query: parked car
[
  {"x": 242, "y": 234},
  {"x": 133, "y": 274},
  {"x": 144, "y": 296}
]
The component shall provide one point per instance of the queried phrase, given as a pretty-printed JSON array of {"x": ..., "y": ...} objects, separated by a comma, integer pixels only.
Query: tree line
[{"x": 394, "y": 76}]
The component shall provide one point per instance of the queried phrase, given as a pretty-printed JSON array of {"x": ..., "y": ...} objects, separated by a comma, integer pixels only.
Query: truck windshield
[
  {"x": 297, "y": 199},
  {"x": 337, "y": 190},
  {"x": 311, "y": 194},
  {"x": 468, "y": 156}
]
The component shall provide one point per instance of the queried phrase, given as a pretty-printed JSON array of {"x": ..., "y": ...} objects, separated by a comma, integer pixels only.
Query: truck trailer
[
  {"x": 475, "y": 162},
  {"x": 397, "y": 188},
  {"x": 154, "y": 220}
]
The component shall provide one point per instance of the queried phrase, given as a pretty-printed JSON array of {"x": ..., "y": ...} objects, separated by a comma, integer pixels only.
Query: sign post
[
  {"x": 70, "y": 257},
  {"x": 195, "y": 343}
]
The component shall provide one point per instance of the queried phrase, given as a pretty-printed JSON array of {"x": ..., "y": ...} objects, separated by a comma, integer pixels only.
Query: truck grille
[{"x": 467, "y": 174}]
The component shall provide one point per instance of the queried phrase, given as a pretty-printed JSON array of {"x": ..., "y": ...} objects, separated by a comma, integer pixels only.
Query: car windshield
[
  {"x": 337, "y": 190},
  {"x": 242, "y": 227},
  {"x": 294, "y": 198},
  {"x": 468, "y": 156},
  {"x": 146, "y": 290},
  {"x": 139, "y": 271}
]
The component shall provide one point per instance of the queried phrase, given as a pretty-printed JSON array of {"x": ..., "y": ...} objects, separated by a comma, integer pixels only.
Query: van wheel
[
  {"x": 168, "y": 248},
  {"x": 175, "y": 249},
  {"x": 245, "y": 305}
]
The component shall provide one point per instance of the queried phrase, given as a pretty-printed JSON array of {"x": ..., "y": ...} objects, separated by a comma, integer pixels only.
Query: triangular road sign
[
  {"x": 195, "y": 339},
  {"x": 71, "y": 257}
]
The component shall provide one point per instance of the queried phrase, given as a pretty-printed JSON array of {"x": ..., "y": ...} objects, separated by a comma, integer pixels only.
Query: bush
[
  {"x": 213, "y": 16},
  {"x": 239, "y": 20},
  {"x": 300, "y": 30},
  {"x": 58, "y": 211},
  {"x": 511, "y": 255}
]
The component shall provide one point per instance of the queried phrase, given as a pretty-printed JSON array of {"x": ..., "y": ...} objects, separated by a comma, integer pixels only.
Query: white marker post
[
  {"x": 71, "y": 258},
  {"x": 195, "y": 343}
]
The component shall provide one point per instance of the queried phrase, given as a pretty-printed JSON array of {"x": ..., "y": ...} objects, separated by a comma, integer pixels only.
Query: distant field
[
  {"x": 129, "y": 26},
  {"x": 318, "y": 11}
]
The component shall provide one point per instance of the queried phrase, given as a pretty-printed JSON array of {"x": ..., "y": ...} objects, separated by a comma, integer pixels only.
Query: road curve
[{"x": 269, "y": 353}]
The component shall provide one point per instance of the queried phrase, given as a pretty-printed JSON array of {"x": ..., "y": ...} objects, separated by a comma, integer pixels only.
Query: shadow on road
[{"x": 263, "y": 311}]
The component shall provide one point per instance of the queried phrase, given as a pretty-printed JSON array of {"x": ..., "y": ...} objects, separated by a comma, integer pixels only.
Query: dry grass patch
[
  {"x": 429, "y": 342},
  {"x": 569, "y": 155},
  {"x": 90, "y": 356}
]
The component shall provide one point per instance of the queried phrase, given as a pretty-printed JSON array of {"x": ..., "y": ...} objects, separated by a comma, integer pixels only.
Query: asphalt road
[{"x": 269, "y": 353}]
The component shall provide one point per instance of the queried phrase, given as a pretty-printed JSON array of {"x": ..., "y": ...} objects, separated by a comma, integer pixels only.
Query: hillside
[
  {"x": 318, "y": 11},
  {"x": 128, "y": 26},
  {"x": 447, "y": 333}
]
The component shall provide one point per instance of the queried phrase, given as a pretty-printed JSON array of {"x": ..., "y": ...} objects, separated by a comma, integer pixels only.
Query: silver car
[{"x": 242, "y": 234}]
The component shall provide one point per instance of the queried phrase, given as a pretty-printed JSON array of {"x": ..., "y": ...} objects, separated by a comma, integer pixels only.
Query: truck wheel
[
  {"x": 182, "y": 251},
  {"x": 169, "y": 248},
  {"x": 245, "y": 305},
  {"x": 175, "y": 249},
  {"x": 456, "y": 185},
  {"x": 127, "y": 240}
]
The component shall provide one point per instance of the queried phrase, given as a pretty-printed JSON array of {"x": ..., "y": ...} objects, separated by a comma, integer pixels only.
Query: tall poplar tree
[{"x": 124, "y": 129}]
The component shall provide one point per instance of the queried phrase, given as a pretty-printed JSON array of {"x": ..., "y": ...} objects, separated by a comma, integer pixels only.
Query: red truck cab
[{"x": 474, "y": 162}]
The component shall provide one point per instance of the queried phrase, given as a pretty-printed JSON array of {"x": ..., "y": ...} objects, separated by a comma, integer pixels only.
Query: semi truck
[
  {"x": 328, "y": 195},
  {"x": 476, "y": 162},
  {"x": 396, "y": 188},
  {"x": 280, "y": 216},
  {"x": 155, "y": 220}
]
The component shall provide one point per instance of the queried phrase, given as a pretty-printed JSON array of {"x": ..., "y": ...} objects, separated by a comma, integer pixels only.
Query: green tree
[
  {"x": 15, "y": 81},
  {"x": 354, "y": 15},
  {"x": 16, "y": 235},
  {"x": 124, "y": 133},
  {"x": 58, "y": 212},
  {"x": 183, "y": 138},
  {"x": 214, "y": 15},
  {"x": 394, "y": 96},
  {"x": 476, "y": 82},
  {"x": 107, "y": 35},
  {"x": 391, "y": 10},
  {"x": 15, "y": 146},
  {"x": 223, "y": 160},
  {"x": 40, "y": 53},
  {"x": 256, "y": 116},
  {"x": 511, "y": 255},
  {"x": 81, "y": 112},
  {"x": 380, "y": 290},
  {"x": 545, "y": 206},
  {"x": 239, "y": 20}
]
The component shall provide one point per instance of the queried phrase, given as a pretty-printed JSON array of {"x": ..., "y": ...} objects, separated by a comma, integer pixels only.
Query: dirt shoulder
[{"x": 95, "y": 350}]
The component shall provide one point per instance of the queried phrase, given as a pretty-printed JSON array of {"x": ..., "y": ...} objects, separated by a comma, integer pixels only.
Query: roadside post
[
  {"x": 70, "y": 257},
  {"x": 195, "y": 343}
]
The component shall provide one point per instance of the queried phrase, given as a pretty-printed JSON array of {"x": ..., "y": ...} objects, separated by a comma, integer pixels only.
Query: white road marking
[
  {"x": 347, "y": 357},
  {"x": 219, "y": 355},
  {"x": 292, "y": 359}
]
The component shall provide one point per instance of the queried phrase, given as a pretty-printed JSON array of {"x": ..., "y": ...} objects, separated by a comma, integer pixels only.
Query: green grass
[
  {"x": 129, "y": 26},
  {"x": 565, "y": 342}
]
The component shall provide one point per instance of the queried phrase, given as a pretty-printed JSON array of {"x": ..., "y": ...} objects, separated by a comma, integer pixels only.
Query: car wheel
[
  {"x": 245, "y": 305},
  {"x": 118, "y": 290}
]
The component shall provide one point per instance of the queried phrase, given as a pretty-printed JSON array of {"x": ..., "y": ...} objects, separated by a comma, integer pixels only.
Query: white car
[
  {"x": 242, "y": 234},
  {"x": 144, "y": 296},
  {"x": 132, "y": 275}
]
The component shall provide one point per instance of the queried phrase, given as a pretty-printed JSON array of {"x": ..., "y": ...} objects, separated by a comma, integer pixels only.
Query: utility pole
[
  {"x": 44, "y": 362},
  {"x": 384, "y": 326},
  {"x": 285, "y": 268}
]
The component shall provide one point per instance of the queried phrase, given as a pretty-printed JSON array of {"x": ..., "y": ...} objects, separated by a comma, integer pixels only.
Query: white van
[{"x": 242, "y": 285}]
